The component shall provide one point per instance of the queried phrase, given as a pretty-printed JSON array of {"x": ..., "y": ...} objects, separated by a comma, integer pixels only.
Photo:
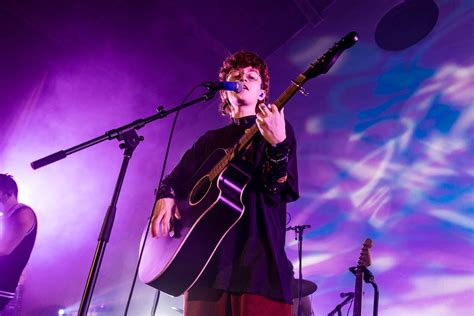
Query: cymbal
[{"x": 307, "y": 287}]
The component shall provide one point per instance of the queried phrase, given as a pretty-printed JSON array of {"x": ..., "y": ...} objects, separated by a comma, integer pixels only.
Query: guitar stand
[
  {"x": 369, "y": 278},
  {"x": 130, "y": 141},
  {"x": 299, "y": 236},
  {"x": 155, "y": 302}
]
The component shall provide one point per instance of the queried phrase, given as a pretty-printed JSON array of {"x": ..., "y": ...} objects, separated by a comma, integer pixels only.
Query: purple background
[{"x": 385, "y": 139}]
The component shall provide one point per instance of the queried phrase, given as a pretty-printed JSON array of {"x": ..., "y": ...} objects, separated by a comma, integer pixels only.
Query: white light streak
[{"x": 454, "y": 218}]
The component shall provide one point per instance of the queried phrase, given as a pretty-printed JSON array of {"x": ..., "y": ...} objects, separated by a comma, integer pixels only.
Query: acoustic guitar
[{"x": 214, "y": 202}]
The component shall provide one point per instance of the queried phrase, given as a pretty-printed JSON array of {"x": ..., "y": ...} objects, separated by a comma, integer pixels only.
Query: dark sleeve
[
  {"x": 279, "y": 170},
  {"x": 173, "y": 184}
]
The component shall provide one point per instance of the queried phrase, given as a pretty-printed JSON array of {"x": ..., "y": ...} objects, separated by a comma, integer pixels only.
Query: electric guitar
[
  {"x": 362, "y": 264},
  {"x": 214, "y": 202}
]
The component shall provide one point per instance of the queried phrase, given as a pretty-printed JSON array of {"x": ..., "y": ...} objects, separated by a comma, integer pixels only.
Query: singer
[{"x": 249, "y": 272}]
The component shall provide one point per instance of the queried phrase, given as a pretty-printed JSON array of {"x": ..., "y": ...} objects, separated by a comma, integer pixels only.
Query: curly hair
[
  {"x": 243, "y": 59},
  {"x": 8, "y": 185}
]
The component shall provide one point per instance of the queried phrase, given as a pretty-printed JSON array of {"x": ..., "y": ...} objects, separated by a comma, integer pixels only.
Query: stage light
[
  {"x": 406, "y": 24},
  {"x": 61, "y": 311}
]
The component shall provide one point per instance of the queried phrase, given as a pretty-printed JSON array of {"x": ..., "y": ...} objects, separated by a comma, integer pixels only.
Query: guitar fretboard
[{"x": 358, "y": 293}]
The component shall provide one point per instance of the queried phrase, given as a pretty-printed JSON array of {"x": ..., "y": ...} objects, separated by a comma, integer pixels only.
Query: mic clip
[{"x": 347, "y": 294}]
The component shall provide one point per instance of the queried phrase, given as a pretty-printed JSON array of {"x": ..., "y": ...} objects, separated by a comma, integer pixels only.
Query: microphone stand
[
  {"x": 128, "y": 135},
  {"x": 299, "y": 236},
  {"x": 340, "y": 305},
  {"x": 155, "y": 302}
]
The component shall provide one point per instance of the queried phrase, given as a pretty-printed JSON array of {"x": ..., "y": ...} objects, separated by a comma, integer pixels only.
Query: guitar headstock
[
  {"x": 325, "y": 62},
  {"x": 364, "y": 258}
]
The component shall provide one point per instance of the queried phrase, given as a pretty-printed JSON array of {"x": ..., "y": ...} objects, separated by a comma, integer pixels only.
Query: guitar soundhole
[{"x": 200, "y": 190}]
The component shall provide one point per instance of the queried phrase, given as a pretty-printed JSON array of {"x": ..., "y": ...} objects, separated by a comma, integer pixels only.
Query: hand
[
  {"x": 271, "y": 123},
  {"x": 164, "y": 210}
]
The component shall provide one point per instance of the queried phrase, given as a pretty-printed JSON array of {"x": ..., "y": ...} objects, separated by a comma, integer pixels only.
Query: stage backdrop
[{"x": 385, "y": 139}]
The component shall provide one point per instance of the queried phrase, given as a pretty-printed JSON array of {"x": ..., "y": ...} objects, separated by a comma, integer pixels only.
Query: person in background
[
  {"x": 249, "y": 272},
  {"x": 18, "y": 226}
]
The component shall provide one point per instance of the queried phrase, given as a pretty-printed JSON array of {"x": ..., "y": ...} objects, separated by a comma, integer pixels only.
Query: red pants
[{"x": 211, "y": 302}]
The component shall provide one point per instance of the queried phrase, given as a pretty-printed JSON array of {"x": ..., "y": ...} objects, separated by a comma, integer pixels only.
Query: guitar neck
[
  {"x": 362, "y": 264},
  {"x": 294, "y": 87},
  {"x": 358, "y": 294},
  {"x": 320, "y": 66}
]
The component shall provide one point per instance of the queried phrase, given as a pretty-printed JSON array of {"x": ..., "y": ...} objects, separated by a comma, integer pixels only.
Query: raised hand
[{"x": 271, "y": 123}]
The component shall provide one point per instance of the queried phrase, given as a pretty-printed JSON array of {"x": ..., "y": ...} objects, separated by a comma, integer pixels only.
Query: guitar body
[{"x": 211, "y": 209}]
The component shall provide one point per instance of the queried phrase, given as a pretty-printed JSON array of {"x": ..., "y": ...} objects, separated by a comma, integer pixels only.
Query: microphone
[
  {"x": 235, "y": 86},
  {"x": 346, "y": 294},
  {"x": 298, "y": 227}
]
